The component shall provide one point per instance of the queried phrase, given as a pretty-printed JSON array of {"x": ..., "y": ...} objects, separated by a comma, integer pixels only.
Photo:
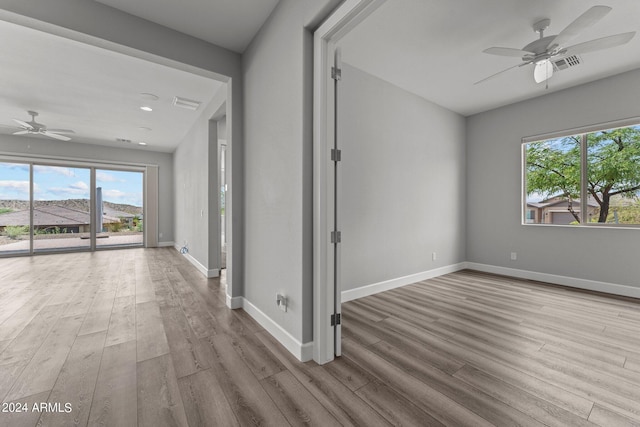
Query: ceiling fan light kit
[{"x": 547, "y": 50}]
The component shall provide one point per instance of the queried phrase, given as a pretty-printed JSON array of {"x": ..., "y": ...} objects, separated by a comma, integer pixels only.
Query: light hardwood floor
[{"x": 139, "y": 337}]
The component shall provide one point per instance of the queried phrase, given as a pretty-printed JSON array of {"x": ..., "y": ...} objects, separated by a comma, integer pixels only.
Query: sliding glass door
[
  {"x": 120, "y": 216},
  {"x": 58, "y": 207},
  {"x": 61, "y": 208},
  {"x": 15, "y": 208}
]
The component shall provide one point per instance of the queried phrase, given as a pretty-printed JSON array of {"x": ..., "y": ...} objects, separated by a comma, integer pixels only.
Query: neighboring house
[
  {"x": 49, "y": 217},
  {"x": 556, "y": 211},
  {"x": 125, "y": 217}
]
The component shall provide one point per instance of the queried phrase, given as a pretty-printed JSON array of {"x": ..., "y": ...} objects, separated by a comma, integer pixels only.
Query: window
[
  {"x": 590, "y": 178},
  {"x": 54, "y": 207}
]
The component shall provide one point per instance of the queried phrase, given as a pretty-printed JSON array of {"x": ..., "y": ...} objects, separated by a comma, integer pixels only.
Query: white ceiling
[
  {"x": 93, "y": 91},
  {"x": 434, "y": 48},
  {"x": 231, "y": 24}
]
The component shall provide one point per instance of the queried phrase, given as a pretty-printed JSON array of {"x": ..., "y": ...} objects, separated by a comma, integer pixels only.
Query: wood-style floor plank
[
  {"x": 122, "y": 322},
  {"x": 150, "y": 334},
  {"x": 41, "y": 372},
  {"x": 115, "y": 396},
  {"x": 140, "y": 337},
  {"x": 29, "y": 340},
  {"x": 296, "y": 403},
  {"x": 249, "y": 400},
  {"x": 204, "y": 400},
  {"x": 159, "y": 400},
  {"x": 76, "y": 383}
]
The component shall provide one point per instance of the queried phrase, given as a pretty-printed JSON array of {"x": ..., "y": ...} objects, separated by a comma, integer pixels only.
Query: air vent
[
  {"x": 185, "y": 103},
  {"x": 128, "y": 141},
  {"x": 566, "y": 62}
]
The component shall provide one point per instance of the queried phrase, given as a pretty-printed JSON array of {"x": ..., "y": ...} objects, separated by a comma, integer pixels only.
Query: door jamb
[{"x": 346, "y": 17}]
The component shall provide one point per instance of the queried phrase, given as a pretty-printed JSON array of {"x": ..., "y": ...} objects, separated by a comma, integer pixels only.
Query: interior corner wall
[
  {"x": 277, "y": 69},
  {"x": 75, "y": 150},
  {"x": 402, "y": 180},
  {"x": 494, "y": 229}
]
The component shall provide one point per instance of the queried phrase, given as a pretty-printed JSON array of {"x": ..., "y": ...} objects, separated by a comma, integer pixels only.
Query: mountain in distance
[{"x": 77, "y": 204}]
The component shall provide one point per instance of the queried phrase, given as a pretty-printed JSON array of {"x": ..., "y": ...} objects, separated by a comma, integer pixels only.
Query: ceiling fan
[
  {"x": 540, "y": 52},
  {"x": 34, "y": 128}
]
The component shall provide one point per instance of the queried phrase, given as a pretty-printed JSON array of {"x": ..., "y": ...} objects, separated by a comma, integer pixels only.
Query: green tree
[
  {"x": 613, "y": 168},
  {"x": 553, "y": 169}
]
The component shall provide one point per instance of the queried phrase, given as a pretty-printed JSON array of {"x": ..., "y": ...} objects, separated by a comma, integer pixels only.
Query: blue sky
[{"x": 58, "y": 183}]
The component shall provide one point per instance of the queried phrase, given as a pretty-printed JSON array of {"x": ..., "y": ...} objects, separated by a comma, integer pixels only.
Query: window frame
[{"x": 582, "y": 131}]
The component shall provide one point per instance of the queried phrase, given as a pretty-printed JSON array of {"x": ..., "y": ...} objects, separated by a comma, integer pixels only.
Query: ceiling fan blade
[
  {"x": 507, "y": 51},
  {"x": 21, "y": 132},
  {"x": 61, "y": 130},
  {"x": 543, "y": 71},
  {"x": 23, "y": 124},
  {"x": 581, "y": 23},
  {"x": 500, "y": 72},
  {"x": 56, "y": 136},
  {"x": 598, "y": 44}
]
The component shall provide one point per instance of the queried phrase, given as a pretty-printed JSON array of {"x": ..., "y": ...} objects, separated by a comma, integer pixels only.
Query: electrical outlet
[
  {"x": 514, "y": 256},
  {"x": 433, "y": 256},
  {"x": 281, "y": 302}
]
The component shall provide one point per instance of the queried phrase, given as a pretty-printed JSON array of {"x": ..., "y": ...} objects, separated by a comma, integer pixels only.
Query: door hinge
[
  {"x": 336, "y": 73},
  {"x": 335, "y": 319},
  {"x": 336, "y": 236},
  {"x": 336, "y": 155}
]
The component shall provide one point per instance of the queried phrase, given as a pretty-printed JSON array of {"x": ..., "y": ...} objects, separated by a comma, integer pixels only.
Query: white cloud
[
  {"x": 80, "y": 185},
  {"x": 118, "y": 196},
  {"x": 54, "y": 169},
  {"x": 105, "y": 177},
  {"x": 15, "y": 185}
]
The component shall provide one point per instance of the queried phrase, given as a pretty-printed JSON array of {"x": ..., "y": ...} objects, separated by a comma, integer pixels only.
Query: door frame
[{"x": 346, "y": 17}]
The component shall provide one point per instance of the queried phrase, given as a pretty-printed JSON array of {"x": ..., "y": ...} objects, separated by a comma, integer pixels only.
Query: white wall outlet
[
  {"x": 433, "y": 256},
  {"x": 514, "y": 256},
  {"x": 160, "y": 235},
  {"x": 281, "y": 302}
]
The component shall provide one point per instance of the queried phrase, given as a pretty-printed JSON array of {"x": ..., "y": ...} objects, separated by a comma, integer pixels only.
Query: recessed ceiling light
[
  {"x": 142, "y": 143},
  {"x": 148, "y": 96},
  {"x": 146, "y": 108}
]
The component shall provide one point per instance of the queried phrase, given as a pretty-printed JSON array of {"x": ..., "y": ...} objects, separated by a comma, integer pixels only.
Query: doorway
[
  {"x": 327, "y": 235},
  {"x": 223, "y": 198}
]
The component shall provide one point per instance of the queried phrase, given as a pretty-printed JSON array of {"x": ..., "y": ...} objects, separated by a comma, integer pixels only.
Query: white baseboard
[
  {"x": 166, "y": 244},
  {"x": 303, "y": 352},
  {"x": 592, "y": 285},
  {"x": 234, "y": 302},
  {"x": 209, "y": 273},
  {"x": 375, "y": 288}
]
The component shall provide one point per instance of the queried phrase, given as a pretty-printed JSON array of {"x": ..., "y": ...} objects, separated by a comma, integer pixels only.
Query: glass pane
[
  {"x": 61, "y": 214},
  {"x": 14, "y": 208},
  {"x": 119, "y": 198},
  {"x": 552, "y": 181},
  {"x": 613, "y": 165}
]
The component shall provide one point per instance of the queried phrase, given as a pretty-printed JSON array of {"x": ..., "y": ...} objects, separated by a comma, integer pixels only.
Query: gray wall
[
  {"x": 403, "y": 181},
  {"x": 494, "y": 227},
  {"x": 277, "y": 71},
  {"x": 71, "y": 150},
  {"x": 195, "y": 178}
]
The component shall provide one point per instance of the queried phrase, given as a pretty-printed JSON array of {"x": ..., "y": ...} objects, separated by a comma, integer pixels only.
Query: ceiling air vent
[
  {"x": 128, "y": 141},
  {"x": 566, "y": 62},
  {"x": 185, "y": 103}
]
